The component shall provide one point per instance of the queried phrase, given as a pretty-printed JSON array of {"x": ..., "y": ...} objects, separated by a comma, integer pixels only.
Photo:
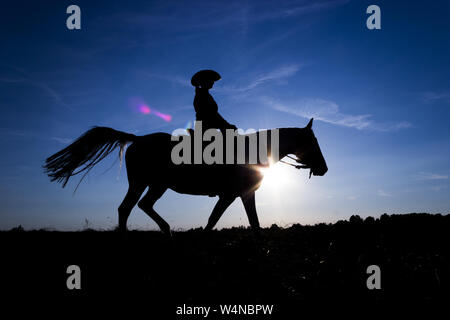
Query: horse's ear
[{"x": 309, "y": 125}]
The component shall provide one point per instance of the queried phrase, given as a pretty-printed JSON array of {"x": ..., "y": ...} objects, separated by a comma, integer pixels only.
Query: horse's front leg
[{"x": 250, "y": 208}]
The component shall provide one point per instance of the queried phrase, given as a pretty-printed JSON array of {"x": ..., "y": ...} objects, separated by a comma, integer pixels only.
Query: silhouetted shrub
[
  {"x": 369, "y": 220},
  {"x": 355, "y": 219},
  {"x": 19, "y": 228}
]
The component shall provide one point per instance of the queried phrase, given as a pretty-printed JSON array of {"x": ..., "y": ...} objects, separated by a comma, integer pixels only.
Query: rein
[{"x": 296, "y": 166}]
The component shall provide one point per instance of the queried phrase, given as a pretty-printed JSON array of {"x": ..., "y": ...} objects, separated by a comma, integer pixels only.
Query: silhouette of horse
[{"x": 149, "y": 164}]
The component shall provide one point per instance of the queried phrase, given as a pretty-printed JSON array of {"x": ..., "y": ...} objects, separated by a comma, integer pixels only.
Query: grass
[{"x": 286, "y": 267}]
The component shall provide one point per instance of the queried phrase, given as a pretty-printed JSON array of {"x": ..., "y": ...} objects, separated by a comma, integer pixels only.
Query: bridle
[{"x": 297, "y": 166}]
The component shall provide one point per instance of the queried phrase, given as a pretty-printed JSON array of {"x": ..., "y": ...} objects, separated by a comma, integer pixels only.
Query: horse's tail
[{"x": 83, "y": 154}]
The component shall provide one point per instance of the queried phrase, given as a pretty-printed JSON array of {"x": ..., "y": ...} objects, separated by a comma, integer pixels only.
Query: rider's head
[
  {"x": 207, "y": 84},
  {"x": 205, "y": 79}
]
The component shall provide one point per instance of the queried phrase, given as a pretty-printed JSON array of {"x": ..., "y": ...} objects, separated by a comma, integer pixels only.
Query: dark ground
[{"x": 288, "y": 267}]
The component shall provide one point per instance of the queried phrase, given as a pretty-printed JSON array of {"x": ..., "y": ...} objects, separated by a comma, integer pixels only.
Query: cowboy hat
[{"x": 204, "y": 75}]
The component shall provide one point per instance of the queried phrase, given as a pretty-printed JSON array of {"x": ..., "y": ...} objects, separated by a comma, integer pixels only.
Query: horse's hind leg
[
  {"x": 130, "y": 200},
  {"x": 146, "y": 204},
  {"x": 220, "y": 207}
]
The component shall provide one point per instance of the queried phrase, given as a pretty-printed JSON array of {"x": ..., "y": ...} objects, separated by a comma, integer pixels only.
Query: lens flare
[
  {"x": 140, "y": 106},
  {"x": 144, "y": 109},
  {"x": 165, "y": 117}
]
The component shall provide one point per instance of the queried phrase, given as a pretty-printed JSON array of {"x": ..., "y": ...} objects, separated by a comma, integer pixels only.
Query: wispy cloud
[
  {"x": 382, "y": 193},
  {"x": 13, "y": 133},
  {"x": 6, "y": 133},
  {"x": 25, "y": 78},
  {"x": 179, "y": 80},
  {"x": 12, "y": 80},
  {"x": 270, "y": 41},
  {"x": 431, "y": 176},
  {"x": 438, "y": 188},
  {"x": 431, "y": 96},
  {"x": 214, "y": 14},
  {"x": 329, "y": 111},
  {"x": 315, "y": 6},
  {"x": 62, "y": 140},
  {"x": 52, "y": 93},
  {"x": 263, "y": 78}
]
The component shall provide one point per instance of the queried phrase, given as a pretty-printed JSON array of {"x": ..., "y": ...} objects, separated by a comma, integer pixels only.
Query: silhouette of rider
[{"x": 206, "y": 109}]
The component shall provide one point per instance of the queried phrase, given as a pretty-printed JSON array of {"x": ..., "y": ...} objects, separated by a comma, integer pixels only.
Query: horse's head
[{"x": 309, "y": 153}]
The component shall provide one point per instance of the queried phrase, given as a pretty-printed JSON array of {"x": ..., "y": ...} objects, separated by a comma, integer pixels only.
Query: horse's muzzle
[{"x": 319, "y": 171}]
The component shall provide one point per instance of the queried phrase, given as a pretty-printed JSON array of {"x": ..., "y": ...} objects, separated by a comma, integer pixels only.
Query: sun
[{"x": 276, "y": 176}]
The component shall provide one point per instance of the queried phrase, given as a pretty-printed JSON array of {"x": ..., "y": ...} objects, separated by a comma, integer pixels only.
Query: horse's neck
[{"x": 288, "y": 141}]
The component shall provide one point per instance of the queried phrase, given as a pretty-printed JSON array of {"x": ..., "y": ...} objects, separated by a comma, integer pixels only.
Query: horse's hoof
[
  {"x": 167, "y": 232},
  {"x": 120, "y": 229}
]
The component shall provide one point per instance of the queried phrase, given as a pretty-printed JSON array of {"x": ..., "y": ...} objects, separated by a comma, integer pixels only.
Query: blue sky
[{"x": 381, "y": 99}]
